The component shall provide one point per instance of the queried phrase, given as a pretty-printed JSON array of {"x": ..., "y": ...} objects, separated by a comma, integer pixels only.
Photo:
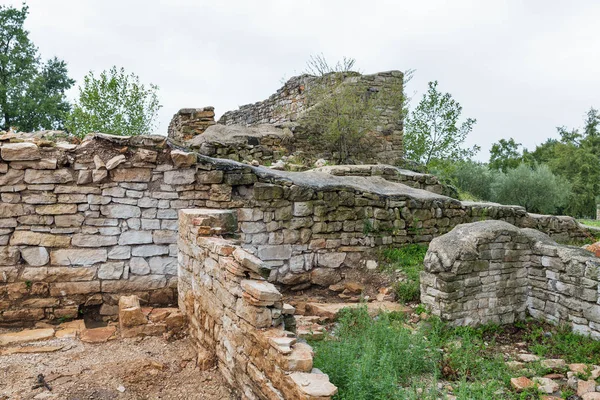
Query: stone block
[
  {"x": 131, "y": 175},
  {"x": 9, "y": 255},
  {"x": 135, "y": 237},
  {"x": 81, "y": 240},
  {"x": 180, "y": 176},
  {"x": 39, "y": 239},
  {"x": 139, "y": 266},
  {"x": 56, "y": 209},
  {"x": 42, "y": 176},
  {"x": 20, "y": 152},
  {"x": 35, "y": 256},
  {"x": 275, "y": 252},
  {"x": 261, "y": 290},
  {"x": 78, "y": 256},
  {"x": 111, "y": 270},
  {"x": 120, "y": 211}
]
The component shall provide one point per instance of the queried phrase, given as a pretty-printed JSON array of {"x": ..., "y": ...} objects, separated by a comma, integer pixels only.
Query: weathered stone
[
  {"x": 164, "y": 237},
  {"x": 111, "y": 270},
  {"x": 115, "y": 162},
  {"x": 131, "y": 174},
  {"x": 180, "y": 177},
  {"x": 78, "y": 256},
  {"x": 163, "y": 265},
  {"x": 63, "y": 221},
  {"x": 42, "y": 176},
  {"x": 135, "y": 237},
  {"x": 39, "y": 198},
  {"x": 28, "y": 335},
  {"x": 330, "y": 260},
  {"x": 81, "y": 240},
  {"x": 98, "y": 163},
  {"x": 278, "y": 252},
  {"x": 55, "y": 209},
  {"x": 19, "y": 152},
  {"x": 120, "y": 253},
  {"x": 149, "y": 250},
  {"x": 315, "y": 385},
  {"x": 84, "y": 177},
  {"x": 182, "y": 159},
  {"x": 261, "y": 290},
  {"x": 144, "y": 155},
  {"x": 325, "y": 276},
  {"x": 46, "y": 163},
  {"x": 120, "y": 211},
  {"x": 12, "y": 210},
  {"x": 139, "y": 266},
  {"x": 35, "y": 256},
  {"x": 98, "y": 175},
  {"x": 98, "y": 335},
  {"x": 9, "y": 255},
  {"x": 39, "y": 239},
  {"x": 12, "y": 177},
  {"x": 522, "y": 383}
]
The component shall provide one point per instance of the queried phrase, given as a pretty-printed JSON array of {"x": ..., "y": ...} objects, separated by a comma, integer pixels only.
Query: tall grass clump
[{"x": 409, "y": 260}]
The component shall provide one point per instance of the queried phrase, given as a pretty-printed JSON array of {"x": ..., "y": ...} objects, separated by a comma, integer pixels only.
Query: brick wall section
[
  {"x": 494, "y": 272},
  {"x": 80, "y": 225},
  {"x": 238, "y": 316}
]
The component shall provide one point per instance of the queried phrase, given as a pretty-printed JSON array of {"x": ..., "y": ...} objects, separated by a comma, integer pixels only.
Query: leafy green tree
[
  {"x": 115, "y": 103},
  {"x": 344, "y": 111},
  {"x": 576, "y": 157},
  {"x": 537, "y": 189},
  {"x": 434, "y": 132},
  {"x": 505, "y": 155},
  {"x": 32, "y": 94}
]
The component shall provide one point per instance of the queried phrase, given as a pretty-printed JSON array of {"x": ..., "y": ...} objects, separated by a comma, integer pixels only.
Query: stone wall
[
  {"x": 238, "y": 316},
  {"x": 189, "y": 122},
  {"x": 494, "y": 272},
  {"x": 287, "y": 107},
  {"x": 82, "y": 224}
]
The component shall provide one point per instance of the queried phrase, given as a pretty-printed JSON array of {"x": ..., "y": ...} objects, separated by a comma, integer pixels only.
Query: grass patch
[
  {"x": 590, "y": 222},
  {"x": 408, "y": 260},
  {"x": 383, "y": 358},
  {"x": 560, "y": 342}
]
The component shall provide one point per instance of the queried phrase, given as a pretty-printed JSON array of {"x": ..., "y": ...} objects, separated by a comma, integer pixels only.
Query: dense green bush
[{"x": 535, "y": 188}]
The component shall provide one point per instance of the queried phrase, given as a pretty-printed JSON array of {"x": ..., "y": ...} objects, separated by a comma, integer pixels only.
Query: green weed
[{"x": 409, "y": 260}]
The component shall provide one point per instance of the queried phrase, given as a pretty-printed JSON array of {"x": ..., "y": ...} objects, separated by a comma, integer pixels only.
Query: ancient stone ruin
[
  {"x": 494, "y": 272},
  {"x": 84, "y": 226},
  {"x": 267, "y": 130}
]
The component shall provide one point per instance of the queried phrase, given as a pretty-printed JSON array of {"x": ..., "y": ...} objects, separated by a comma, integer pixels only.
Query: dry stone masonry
[
  {"x": 494, "y": 272},
  {"x": 239, "y": 316},
  {"x": 82, "y": 224},
  {"x": 286, "y": 109}
]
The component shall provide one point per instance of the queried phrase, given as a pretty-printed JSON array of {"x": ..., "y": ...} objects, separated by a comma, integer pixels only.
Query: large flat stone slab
[{"x": 29, "y": 335}]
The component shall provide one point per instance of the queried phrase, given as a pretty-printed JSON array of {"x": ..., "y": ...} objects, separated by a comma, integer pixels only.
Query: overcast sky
[{"x": 520, "y": 68}]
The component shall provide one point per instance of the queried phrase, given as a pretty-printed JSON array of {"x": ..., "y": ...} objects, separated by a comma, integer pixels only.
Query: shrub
[
  {"x": 537, "y": 189},
  {"x": 408, "y": 259}
]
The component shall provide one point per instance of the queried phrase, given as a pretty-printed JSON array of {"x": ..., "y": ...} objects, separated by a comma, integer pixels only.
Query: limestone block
[
  {"x": 12, "y": 177},
  {"x": 42, "y": 176},
  {"x": 251, "y": 262},
  {"x": 81, "y": 240},
  {"x": 84, "y": 177},
  {"x": 39, "y": 198},
  {"x": 259, "y": 317},
  {"x": 209, "y": 177},
  {"x": 61, "y": 189},
  {"x": 120, "y": 211},
  {"x": 71, "y": 288},
  {"x": 144, "y": 155},
  {"x": 275, "y": 252},
  {"x": 39, "y": 239},
  {"x": 78, "y": 256},
  {"x": 98, "y": 175},
  {"x": 134, "y": 283},
  {"x": 182, "y": 159},
  {"x": 111, "y": 270},
  {"x": 139, "y": 266},
  {"x": 98, "y": 163},
  {"x": 325, "y": 276},
  {"x": 163, "y": 265},
  {"x": 180, "y": 176},
  {"x": 120, "y": 253},
  {"x": 9, "y": 255},
  {"x": 316, "y": 385},
  {"x": 164, "y": 236},
  {"x": 63, "y": 221},
  {"x": 149, "y": 250},
  {"x": 55, "y": 209},
  {"x": 115, "y": 162},
  {"x": 13, "y": 210},
  {"x": 267, "y": 191},
  {"x": 261, "y": 290},
  {"x": 19, "y": 152},
  {"x": 131, "y": 174},
  {"x": 135, "y": 237},
  {"x": 35, "y": 256},
  {"x": 331, "y": 260}
]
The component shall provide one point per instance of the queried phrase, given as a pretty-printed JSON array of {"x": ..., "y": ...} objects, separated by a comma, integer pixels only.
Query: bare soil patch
[{"x": 123, "y": 369}]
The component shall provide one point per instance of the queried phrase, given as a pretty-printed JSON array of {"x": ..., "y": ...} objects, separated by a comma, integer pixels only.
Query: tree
[
  {"x": 537, "y": 189},
  {"x": 433, "y": 132},
  {"x": 32, "y": 95},
  {"x": 343, "y": 110},
  {"x": 115, "y": 103},
  {"x": 505, "y": 155}
]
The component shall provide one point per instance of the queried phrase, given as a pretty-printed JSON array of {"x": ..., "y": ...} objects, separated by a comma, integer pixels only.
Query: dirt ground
[{"x": 123, "y": 369}]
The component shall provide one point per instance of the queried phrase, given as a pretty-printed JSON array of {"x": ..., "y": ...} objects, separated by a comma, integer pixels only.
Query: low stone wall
[
  {"x": 494, "y": 272},
  {"x": 238, "y": 316},
  {"x": 82, "y": 224}
]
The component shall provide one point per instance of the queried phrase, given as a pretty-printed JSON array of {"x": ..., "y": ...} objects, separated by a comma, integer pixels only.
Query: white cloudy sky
[{"x": 520, "y": 68}]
